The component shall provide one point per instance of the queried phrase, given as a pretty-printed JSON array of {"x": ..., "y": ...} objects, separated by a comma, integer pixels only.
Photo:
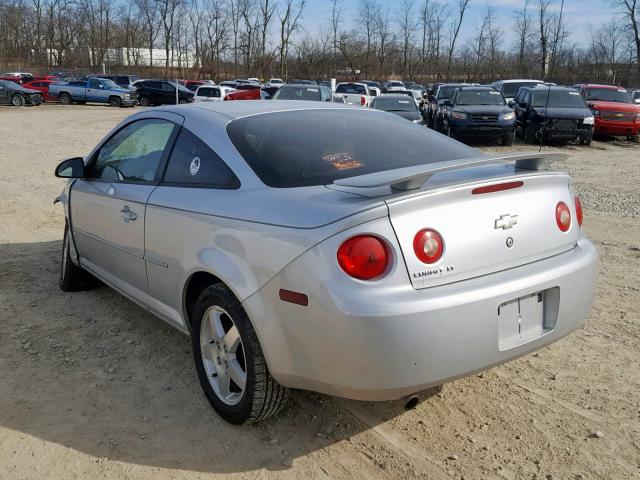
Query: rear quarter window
[
  {"x": 351, "y": 88},
  {"x": 316, "y": 147},
  {"x": 193, "y": 163}
]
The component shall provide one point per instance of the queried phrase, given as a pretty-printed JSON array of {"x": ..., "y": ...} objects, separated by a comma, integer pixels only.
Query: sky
[{"x": 580, "y": 15}]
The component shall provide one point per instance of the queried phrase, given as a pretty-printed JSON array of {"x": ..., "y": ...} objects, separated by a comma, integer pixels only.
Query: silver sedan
[{"x": 324, "y": 247}]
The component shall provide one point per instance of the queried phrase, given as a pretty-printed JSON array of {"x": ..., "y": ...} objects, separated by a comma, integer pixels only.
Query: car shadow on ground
[{"x": 94, "y": 372}]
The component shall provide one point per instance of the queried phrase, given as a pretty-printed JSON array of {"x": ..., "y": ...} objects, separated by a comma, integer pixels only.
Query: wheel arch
[{"x": 195, "y": 283}]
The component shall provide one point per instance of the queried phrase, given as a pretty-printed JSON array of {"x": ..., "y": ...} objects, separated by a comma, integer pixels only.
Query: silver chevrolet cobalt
[{"x": 326, "y": 247}]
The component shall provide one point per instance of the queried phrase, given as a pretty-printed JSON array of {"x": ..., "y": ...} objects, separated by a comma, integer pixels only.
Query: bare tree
[
  {"x": 289, "y": 23},
  {"x": 149, "y": 11},
  {"x": 523, "y": 29},
  {"x": 455, "y": 31},
  {"x": 366, "y": 19},
  {"x": 336, "y": 19},
  {"x": 631, "y": 13},
  {"x": 544, "y": 21},
  {"x": 407, "y": 25}
]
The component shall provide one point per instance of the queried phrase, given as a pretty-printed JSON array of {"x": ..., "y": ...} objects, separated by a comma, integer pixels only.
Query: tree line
[{"x": 424, "y": 40}]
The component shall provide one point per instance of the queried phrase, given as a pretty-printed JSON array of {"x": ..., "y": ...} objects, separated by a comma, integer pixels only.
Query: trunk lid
[{"x": 478, "y": 228}]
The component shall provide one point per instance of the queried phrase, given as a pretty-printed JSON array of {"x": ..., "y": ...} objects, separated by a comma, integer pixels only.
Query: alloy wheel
[{"x": 223, "y": 355}]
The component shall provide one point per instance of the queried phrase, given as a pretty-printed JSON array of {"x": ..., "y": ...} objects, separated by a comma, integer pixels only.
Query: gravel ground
[{"x": 91, "y": 386}]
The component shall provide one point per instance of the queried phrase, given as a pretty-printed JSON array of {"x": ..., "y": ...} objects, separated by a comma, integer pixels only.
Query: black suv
[
  {"x": 478, "y": 111},
  {"x": 125, "y": 81},
  {"x": 432, "y": 112},
  {"x": 548, "y": 112},
  {"x": 162, "y": 92}
]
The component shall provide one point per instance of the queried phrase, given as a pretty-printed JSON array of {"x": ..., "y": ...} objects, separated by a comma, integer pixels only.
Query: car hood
[
  {"x": 562, "y": 112},
  {"x": 617, "y": 106},
  {"x": 482, "y": 109},
  {"x": 26, "y": 90}
]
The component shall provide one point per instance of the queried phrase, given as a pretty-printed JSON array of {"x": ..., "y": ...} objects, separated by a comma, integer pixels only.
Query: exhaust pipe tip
[{"x": 411, "y": 402}]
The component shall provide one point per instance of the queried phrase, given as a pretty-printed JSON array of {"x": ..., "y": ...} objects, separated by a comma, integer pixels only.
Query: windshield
[
  {"x": 445, "y": 92},
  {"x": 558, "y": 98},
  {"x": 608, "y": 95},
  {"x": 479, "y": 97},
  {"x": 315, "y": 147},
  {"x": 295, "y": 93},
  {"x": 109, "y": 83},
  {"x": 394, "y": 104},
  {"x": 510, "y": 89},
  {"x": 351, "y": 88}
]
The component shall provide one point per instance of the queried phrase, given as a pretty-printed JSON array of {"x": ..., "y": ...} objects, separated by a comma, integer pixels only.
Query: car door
[
  {"x": 107, "y": 208},
  {"x": 4, "y": 93}
]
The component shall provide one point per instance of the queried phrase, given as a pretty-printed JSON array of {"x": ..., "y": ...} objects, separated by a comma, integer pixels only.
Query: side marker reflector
[{"x": 294, "y": 297}]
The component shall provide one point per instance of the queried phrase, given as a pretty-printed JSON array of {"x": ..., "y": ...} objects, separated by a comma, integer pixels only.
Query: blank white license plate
[{"x": 521, "y": 320}]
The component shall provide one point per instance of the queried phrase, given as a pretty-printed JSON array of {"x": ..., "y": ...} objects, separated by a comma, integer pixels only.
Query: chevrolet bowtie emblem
[{"x": 506, "y": 221}]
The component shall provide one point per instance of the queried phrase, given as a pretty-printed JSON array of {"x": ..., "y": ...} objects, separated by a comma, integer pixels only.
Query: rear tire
[
  {"x": 115, "y": 102},
  {"x": 65, "y": 99},
  {"x": 144, "y": 101},
  {"x": 72, "y": 277},
  {"x": 507, "y": 140},
  {"x": 218, "y": 319},
  {"x": 634, "y": 138},
  {"x": 586, "y": 139},
  {"x": 17, "y": 100}
]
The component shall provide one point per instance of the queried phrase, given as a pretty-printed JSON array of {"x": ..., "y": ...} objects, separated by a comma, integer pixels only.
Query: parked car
[
  {"x": 95, "y": 90},
  {"x": 275, "y": 82},
  {"x": 211, "y": 93},
  {"x": 432, "y": 110},
  {"x": 124, "y": 81},
  {"x": 162, "y": 92},
  {"x": 314, "y": 93},
  {"x": 228, "y": 83},
  {"x": 615, "y": 112},
  {"x": 12, "y": 93},
  {"x": 547, "y": 113},
  {"x": 354, "y": 93},
  {"x": 509, "y": 88},
  {"x": 41, "y": 86},
  {"x": 191, "y": 85},
  {"x": 417, "y": 280},
  {"x": 296, "y": 81},
  {"x": 392, "y": 84},
  {"x": 479, "y": 111},
  {"x": 244, "y": 94},
  {"x": 401, "y": 105},
  {"x": 17, "y": 77}
]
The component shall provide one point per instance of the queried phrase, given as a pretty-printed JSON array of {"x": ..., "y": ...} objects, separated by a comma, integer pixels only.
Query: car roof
[
  {"x": 400, "y": 96},
  {"x": 246, "y": 108},
  {"x": 477, "y": 87},
  {"x": 514, "y": 80},
  {"x": 597, "y": 85}
]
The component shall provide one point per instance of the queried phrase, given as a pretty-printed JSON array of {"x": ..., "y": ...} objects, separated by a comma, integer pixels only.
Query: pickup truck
[
  {"x": 615, "y": 112},
  {"x": 96, "y": 90},
  {"x": 354, "y": 93}
]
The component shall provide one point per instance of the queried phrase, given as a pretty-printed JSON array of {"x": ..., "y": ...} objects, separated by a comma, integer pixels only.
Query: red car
[
  {"x": 614, "y": 111},
  {"x": 244, "y": 95},
  {"x": 43, "y": 87},
  {"x": 12, "y": 78},
  {"x": 53, "y": 78}
]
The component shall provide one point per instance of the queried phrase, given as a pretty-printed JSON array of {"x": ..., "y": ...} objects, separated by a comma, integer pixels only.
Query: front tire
[
  {"x": 72, "y": 277},
  {"x": 17, "y": 100},
  {"x": 529, "y": 134},
  {"x": 115, "y": 102},
  {"x": 507, "y": 140},
  {"x": 144, "y": 101},
  {"x": 586, "y": 139},
  {"x": 229, "y": 361}
]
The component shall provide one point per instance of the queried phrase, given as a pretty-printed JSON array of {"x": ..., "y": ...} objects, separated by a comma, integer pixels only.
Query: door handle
[{"x": 128, "y": 215}]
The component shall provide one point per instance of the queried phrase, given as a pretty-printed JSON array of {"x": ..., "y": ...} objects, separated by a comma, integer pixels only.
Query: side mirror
[
  {"x": 71, "y": 168},
  {"x": 511, "y": 104}
]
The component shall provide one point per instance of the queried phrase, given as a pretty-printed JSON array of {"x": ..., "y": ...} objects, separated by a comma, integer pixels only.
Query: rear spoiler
[{"x": 412, "y": 178}]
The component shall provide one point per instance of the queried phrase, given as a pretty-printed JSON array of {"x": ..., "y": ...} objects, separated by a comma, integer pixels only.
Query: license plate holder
[{"x": 526, "y": 318}]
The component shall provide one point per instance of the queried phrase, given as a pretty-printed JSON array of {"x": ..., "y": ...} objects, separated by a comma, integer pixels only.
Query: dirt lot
[{"x": 91, "y": 386}]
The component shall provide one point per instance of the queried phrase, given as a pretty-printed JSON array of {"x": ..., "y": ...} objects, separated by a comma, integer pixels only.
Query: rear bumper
[{"x": 367, "y": 347}]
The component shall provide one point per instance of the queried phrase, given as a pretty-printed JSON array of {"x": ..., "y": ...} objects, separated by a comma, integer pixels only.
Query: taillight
[
  {"x": 563, "y": 216},
  {"x": 578, "y": 209},
  {"x": 428, "y": 245},
  {"x": 363, "y": 101},
  {"x": 364, "y": 257}
]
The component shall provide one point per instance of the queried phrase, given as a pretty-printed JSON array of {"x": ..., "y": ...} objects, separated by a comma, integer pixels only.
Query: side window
[
  {"x": 193, "y": 163},
  {"x": 94, "y": 83},
  {"x": 134, "y": 152},
  {"x": 168, "y": 87}
]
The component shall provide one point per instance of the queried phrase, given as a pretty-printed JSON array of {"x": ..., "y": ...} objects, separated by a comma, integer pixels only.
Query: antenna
[{"x": 546, "y": 116}]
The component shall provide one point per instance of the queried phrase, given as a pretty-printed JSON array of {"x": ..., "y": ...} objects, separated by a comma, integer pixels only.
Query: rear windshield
[
  {"x": 351, "y": 88},
  {"x": 510, "y": 89},
  {"x": 608, "y": 95},
  {"x": 316, "y": 147},
  {"x": 394, "y": 104},
  {"x": 479, "y": 97},
  {"x": 558, "y": 98},
  {"x": 295, "y": 93},
  {"x": 445, "y": 92}
]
